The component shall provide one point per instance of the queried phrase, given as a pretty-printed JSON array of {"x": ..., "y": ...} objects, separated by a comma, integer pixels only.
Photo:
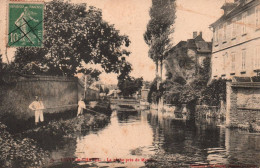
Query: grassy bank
[{"x": 26, "y": 146}]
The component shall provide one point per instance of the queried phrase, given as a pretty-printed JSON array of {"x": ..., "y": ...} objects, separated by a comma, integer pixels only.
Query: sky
[{"x": 131, "y": 18}]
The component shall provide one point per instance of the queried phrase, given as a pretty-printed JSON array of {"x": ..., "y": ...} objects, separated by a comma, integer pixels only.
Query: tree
[
  {"x": 74, "y": 36},
  {"x": 1, "y": 69},
  {"x": 159, "y": 28},
  {"x": 106, "y": 90},
  {"x": 155, "y": 94},
  {"x": 130, "y": 85},
  {"x": 214, "y": 92},
  {"x": 100, "y": 89}
]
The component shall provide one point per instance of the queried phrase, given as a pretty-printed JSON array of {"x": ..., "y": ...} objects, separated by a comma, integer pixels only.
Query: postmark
[{"x": 25, "y": 28}]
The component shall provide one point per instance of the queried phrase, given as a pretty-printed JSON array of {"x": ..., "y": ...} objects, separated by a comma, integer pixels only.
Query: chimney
[
  {"x": 195, "y": 34},
  {"x": 200, "y": 33}
]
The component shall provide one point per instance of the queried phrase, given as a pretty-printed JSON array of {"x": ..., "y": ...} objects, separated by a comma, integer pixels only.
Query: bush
[{"x": 214, "y": 92}]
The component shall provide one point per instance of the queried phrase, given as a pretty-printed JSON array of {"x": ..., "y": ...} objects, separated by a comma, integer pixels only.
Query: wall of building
[
  {"x": 243, "y": 104},
  {"x": 57, "y": 93},
  {"x": 242, "y": 37}
]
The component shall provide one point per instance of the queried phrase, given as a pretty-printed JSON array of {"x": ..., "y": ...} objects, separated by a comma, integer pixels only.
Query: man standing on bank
[
  {"x": 38, "y": 107},
  {"x": 81, "y": 106}
]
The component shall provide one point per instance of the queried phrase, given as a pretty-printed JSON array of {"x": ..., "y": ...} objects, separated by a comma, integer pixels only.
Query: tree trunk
[
  {"x": 161, "y": 66},
  {"x": 157, "y": 66}
]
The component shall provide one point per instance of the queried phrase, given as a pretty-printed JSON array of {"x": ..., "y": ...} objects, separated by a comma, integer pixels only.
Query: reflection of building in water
[
  {"x": 242, "y": 147},
  {"x": 218, "y": 155}
]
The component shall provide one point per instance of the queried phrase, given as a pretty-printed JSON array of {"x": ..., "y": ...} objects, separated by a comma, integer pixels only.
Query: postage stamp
[{"x": 25, "y": 25}]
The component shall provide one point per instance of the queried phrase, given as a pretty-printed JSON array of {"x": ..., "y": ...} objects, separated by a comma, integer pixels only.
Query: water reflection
[
  {"x": 121, "y": 140},
  {"x": 132, "y": 135}
]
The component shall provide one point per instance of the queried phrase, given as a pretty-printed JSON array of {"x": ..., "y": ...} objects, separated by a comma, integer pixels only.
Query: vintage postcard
[{"x": 129, "y": 83}]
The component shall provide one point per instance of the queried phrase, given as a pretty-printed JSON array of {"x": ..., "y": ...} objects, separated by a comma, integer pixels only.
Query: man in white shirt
[
  {"x": 37, "y": 106},
  {"x": 81, "y": 106}
]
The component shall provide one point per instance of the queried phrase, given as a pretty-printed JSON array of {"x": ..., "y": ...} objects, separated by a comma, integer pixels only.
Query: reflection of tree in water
[{"x": 128, "y": 116}]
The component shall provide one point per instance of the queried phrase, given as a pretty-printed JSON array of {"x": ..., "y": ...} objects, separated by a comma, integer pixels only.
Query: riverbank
[{"x": 27, "y": 148}]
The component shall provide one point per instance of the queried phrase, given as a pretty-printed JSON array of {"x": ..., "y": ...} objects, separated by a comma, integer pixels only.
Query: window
[
  {"x": 233, "y": 28},
  {"x": 257, "y": 58},
  {"x": 225, "y": 32},
  {"x": 257, "y": 17},
  {"x": 216, "y": 35},
  {"x": 243, "y": 67},
  {"x": 233, "y": 62},
  {"x": 238, "y": 28},
  {"x": 220, "y": 33},
  {"x": 225, "y": 61},
  {"x": 244, "y": 23}
]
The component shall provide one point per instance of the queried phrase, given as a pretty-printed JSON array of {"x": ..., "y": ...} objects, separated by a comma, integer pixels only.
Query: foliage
[
  {"x": 74, "y": 36},
  {"x": 213, "y": 93},
  {"x": 130, "y": 85},
  {"x": 20, "y": 152},
  {"x": 125, "y": 69},
  {"x": 154, "y": 95},
  {"x": 101, "y": 90},
  {"x": 180, "y": 92},
  {"x": 106, "y": 90},
  {"x": 159, "y": 28},
  {"x": 91, "y": 75},
  {"x": 162, "y": 16},
  {"x": 172, "y": 92},
  {"x": 179, "y": 63}
]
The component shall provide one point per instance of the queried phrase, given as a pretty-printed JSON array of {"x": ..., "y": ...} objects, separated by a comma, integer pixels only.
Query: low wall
[
  {"x": 243, "y": 104},
  {"x": 57, "y": 93},
  {"x": 205, "y": 111}
]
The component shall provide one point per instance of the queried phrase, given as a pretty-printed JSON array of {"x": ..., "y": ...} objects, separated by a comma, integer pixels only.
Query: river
[{"x": 133, "y": 137}]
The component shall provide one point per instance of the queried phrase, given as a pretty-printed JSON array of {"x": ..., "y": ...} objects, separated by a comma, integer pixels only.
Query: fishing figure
[
  {"x": 81, "y": 106},
  {"x": 38, "y": 107}
]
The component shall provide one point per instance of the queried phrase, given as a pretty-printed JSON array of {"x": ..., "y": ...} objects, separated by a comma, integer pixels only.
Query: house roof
[
  {"x": 203, "y": 46},
  {"x": 198, "y": 44},
  {"x": 237, "y": 8}
]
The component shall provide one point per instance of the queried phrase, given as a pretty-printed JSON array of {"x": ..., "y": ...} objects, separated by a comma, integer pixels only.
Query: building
[
  {"x": 236, "y": 41},
  {"x": 187, "y": 57}
]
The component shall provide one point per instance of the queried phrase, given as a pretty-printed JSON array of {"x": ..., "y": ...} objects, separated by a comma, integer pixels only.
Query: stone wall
[
  {"x": 57, "y": 93},
  {"x": 205, "y": 111},
  {"x": 243, "y": 104}
]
